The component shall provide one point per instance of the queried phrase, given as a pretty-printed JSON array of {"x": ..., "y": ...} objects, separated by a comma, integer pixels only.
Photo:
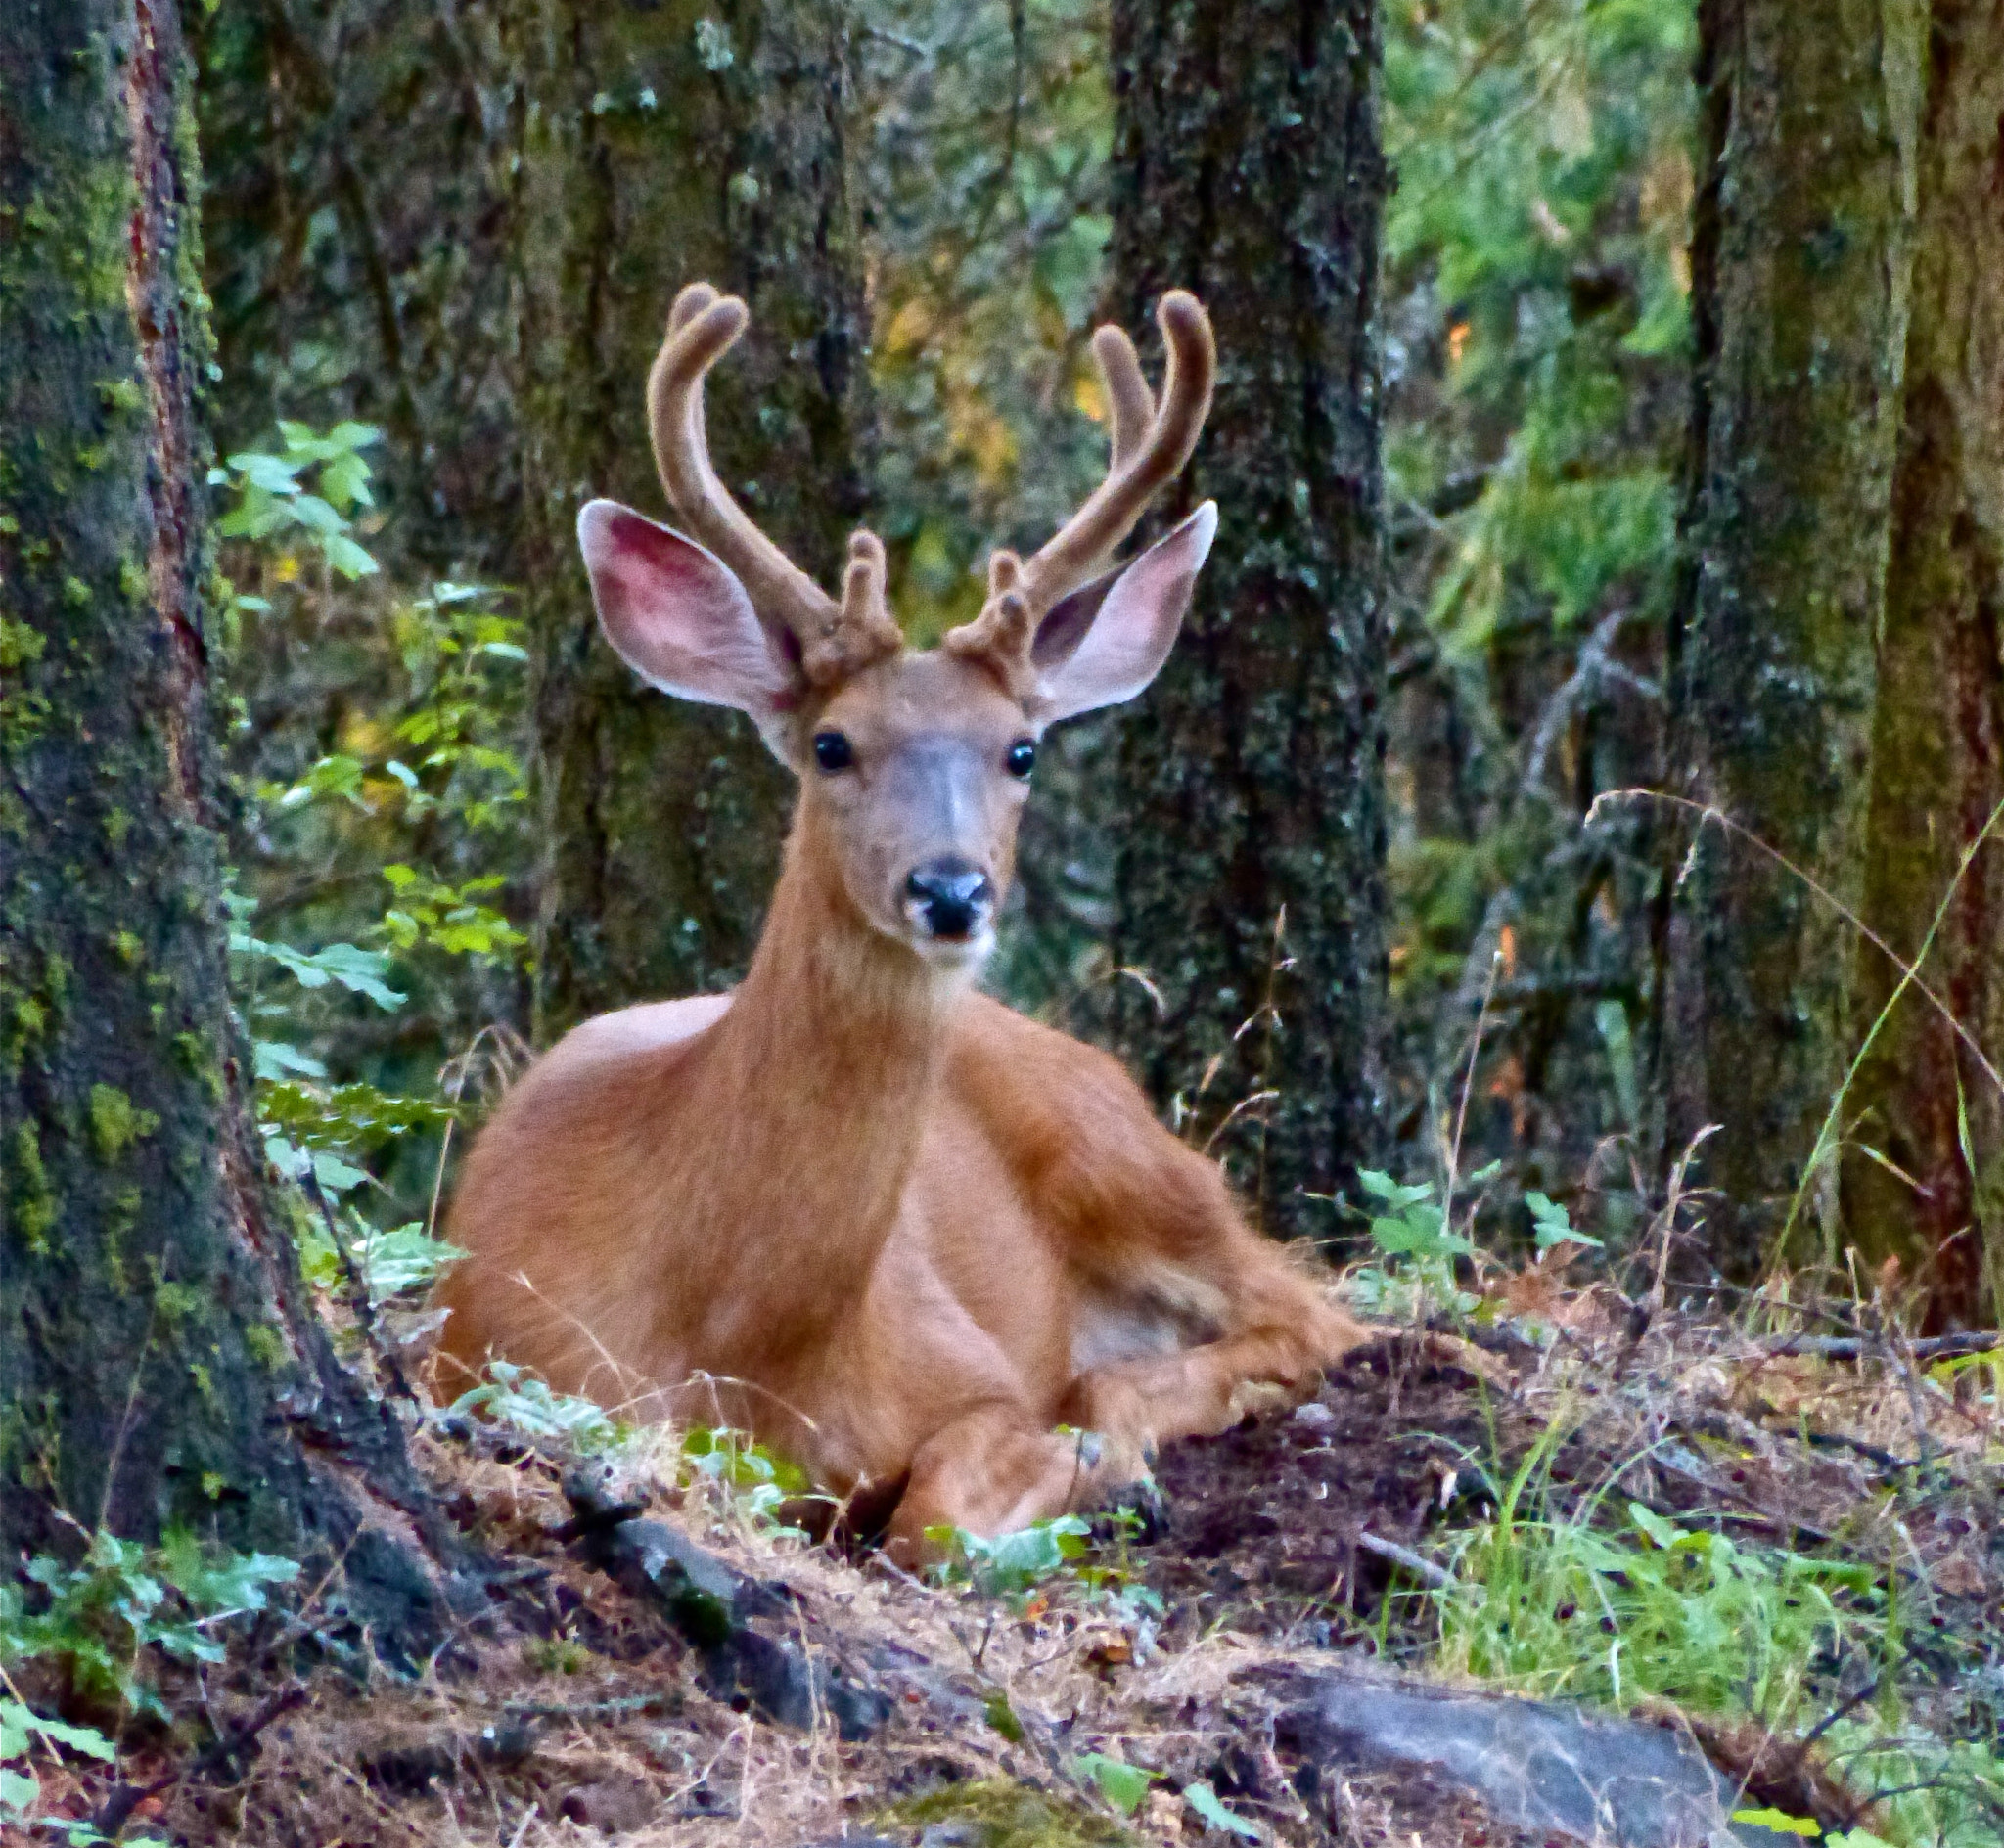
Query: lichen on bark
[
  {"x": 1801, "y": 258},
  {"x": 146, "y": 1277},
  {"x": 1245, "y": 790},
  {"x": 662, "y": 146},
  {"x": 1930, "y": 1190}
]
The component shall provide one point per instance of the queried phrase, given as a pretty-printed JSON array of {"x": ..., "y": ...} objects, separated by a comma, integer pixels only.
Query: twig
[
  {"x": 118, "y": 1808},
  {"x": 363, "y": 1304},
  {"x": 1423, "y": 1569},
  {"x": 1846, "y": 1347},
  {"x": 590, "y": 1709}
]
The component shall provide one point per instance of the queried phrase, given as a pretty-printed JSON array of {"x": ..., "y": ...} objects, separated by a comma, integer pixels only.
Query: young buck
[{"x": 899, "y": 1232}]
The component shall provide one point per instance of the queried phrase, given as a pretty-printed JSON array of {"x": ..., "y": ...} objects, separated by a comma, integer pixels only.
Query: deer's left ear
[{"x": 1109, "y": 639}]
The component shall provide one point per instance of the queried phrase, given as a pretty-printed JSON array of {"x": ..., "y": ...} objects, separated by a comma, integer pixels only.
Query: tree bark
[
  {"x": 662, "y": 146},
  {"x": 1801, "y": 258},
  {"x": 1921, "y": 1100},
  {"x": 160, "y": 1362},
  {"x": 1247, "y": 788}
]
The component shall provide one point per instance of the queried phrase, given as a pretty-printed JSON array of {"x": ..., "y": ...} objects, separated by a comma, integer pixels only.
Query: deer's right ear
[{"x": 679, "y": 617}]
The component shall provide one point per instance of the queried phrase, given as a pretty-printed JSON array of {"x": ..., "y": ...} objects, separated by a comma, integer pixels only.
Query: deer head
[{"x": 914, "y": 763}]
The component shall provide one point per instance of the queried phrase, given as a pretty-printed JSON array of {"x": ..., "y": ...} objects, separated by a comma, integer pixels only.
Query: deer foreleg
[
  {"x": 1208, "y": 1388},
  {"x": 991, "y": 1471}
]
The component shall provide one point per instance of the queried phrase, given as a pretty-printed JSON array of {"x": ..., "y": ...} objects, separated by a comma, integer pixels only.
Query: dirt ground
[{"x": 576, "y": 1708}]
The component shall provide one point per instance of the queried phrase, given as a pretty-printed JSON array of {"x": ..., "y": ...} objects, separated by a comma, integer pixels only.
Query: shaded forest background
[
  {"x": 1555, "y": 873},
  {"x": 366, "y": 252},
  {"x": 457, "y": 225}
]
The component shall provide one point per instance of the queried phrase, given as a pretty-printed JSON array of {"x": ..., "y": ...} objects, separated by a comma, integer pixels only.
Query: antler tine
[
  {"x": 1149, "y": 447},
  {"x": 1140, "y": 466},
  {"x": 1129, "y": 402},
  {"x": 834, "y": 639}
]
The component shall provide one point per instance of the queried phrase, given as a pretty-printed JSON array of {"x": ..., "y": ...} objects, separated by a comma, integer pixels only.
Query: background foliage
[{"x": 1536, "y": 339}]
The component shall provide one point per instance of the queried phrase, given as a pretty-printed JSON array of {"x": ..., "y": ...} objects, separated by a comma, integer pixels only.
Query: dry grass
[{"x": 577, "y": 1713}]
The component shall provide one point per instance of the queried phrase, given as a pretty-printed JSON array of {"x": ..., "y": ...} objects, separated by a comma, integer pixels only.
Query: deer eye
[
  {"x": 833, "y": 752},
  {"x": 1022, "y": 758}
]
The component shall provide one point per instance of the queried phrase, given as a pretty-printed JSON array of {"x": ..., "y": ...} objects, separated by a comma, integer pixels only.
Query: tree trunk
[
  {"x": 662, "y": 146},
  {"x": 1920, "y": 1098},
  {"x": 1246, "y": 789},
  {"x": 1799, "y": 259},
  {"x": 159, "y": 1359}
]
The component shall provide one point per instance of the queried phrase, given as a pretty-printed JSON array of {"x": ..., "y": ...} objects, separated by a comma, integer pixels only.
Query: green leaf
[
  {"x": 358, "y": 971},
  {"x": 17, "y": 1723},
  {"x": 276, "y": 1060},
  {"x": 1664, "y": 1533},
  {"x": 1553, "y": 1225},
  {"x": 1122, "y": 1785},
  {"x": 403, "y": 1258},
  {"x": 1202, "y": 1798},
  {"x": 1781, "y": 1821},
  {"x": 348, "y": 558},
  {"x": 1382, "y": 1186},
  {"x": 271, "y": 474},
  {"x": 1001, "y": 1716}
]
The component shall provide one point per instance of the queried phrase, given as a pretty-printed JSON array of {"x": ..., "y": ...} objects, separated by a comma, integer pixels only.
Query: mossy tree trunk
[
  {"x": 1801, "y": 258},
  {"x": 661, "y": 146},
  {"x": 1247, "y": 792},
  {"x": 160, "y": 1359},
  {"x": 1920, "y": 1099}
]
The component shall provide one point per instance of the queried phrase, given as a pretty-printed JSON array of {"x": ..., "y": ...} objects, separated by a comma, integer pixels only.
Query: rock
[
  {"x": 1535, "y": 1764},
  {"x": 615, "y": 1806}
]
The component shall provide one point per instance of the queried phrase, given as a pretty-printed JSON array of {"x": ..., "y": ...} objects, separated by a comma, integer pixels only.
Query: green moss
[
  {"x": 132, "y": 581},
  {"x": 118, "y": 825},
  {"x": 176, "y": 1302},
  {"x": 30, "y": 1201},
  {"x": 76, "y": 593},
  {"x": 1004, "y": 1815},
  {"x": 122, "y": 1217},
  {"x": 115, "y": 1124},
  {"x": 19, "y": 645},
  {"x": 129, "y": 947},
  {"x": 120, "y": 394},
  {"x": 28, "y": 1025},
  {"x": 267, "y": 1346}
]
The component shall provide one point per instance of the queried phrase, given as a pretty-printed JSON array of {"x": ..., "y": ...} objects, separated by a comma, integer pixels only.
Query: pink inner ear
[{"x": 677, "y": 613}]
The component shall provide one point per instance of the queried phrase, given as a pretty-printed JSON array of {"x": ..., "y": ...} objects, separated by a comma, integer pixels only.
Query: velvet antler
[
  {"x": 834, "y": 639},
  {"x": 1149, "y": 447}
]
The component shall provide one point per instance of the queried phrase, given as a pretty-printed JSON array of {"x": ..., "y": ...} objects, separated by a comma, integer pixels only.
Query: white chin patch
[{"x": 953, "y": 956}]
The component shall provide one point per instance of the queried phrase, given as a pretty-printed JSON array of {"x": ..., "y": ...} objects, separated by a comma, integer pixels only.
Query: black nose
[{"x": 951, "y": 895}]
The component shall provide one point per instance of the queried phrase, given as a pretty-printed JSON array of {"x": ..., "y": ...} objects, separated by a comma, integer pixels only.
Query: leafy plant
[
  {"x": 21, "y": 1730},
  {"x": 757, "y": 1481},
  {"x": 402, "y": 1260},
  {"x": 1417, "y": 1248},
  {"x": 513, "y": 1396},
  {"x": 1123, "y": 1785},
  {"x": 104, "y": 1622},
  {"x": 1557, "y": 1607},
  {"x": 272, "y": 501},
  {"x": 1010, "y": 1565}
]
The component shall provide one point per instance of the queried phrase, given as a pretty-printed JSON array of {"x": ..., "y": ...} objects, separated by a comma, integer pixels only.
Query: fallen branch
[
  {"x": 1421, "y": 1568},
  {"x": 1848, "y": 1347},
  {"x": 117, "y": 1809}
]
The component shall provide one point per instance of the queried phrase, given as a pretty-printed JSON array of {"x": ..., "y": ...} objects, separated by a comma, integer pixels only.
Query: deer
[{"x": 927, "y": 1249}]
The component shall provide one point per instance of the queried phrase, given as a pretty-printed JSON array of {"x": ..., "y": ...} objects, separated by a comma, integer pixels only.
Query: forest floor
[{"x": 769, "y": 1691}]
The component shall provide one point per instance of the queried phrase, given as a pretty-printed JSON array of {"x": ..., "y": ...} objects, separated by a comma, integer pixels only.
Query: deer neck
[{"x": 829, "y": 1056}]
